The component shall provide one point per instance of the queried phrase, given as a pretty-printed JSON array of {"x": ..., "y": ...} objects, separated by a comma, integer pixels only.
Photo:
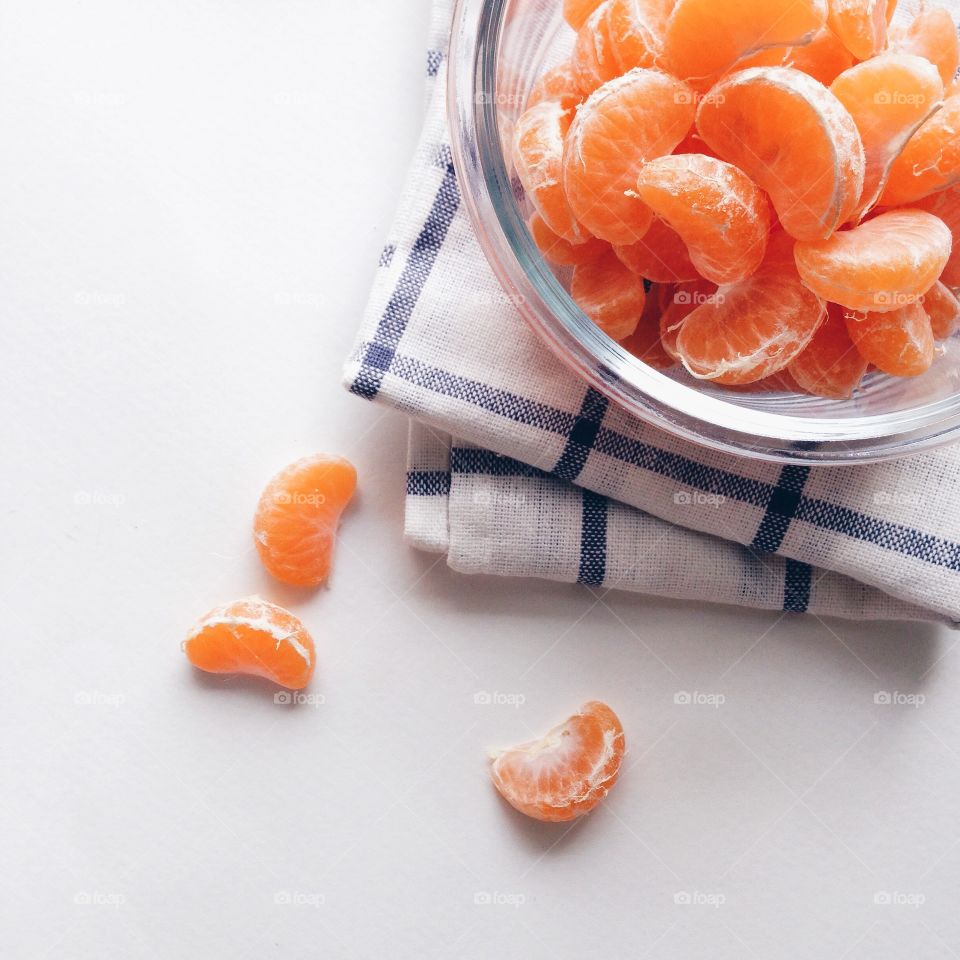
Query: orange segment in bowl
[
  {"x": 880, "y": 265},
  {"x": 930, "y": 161},
  {"x": 946, "y": 206},
  {"x": 824, "y": 58},
  {"x": 830, "y": 366},
  {"x": 628, "y": 121},
  {"x": 752, "y": 329},
  {"x": 538, "y": 158},
  {"x": 705, "y": 38},
  {"x": 794, "y": 139},
  {"x": 943, "y": 309},
  {"x": 636, "y": 29},
  {"x": 253, "y": 637},
  {"x": 661, "y": 256},
  {"x": 645, "y": 342},
  {"x": 932, "y": 35},
  {"x": 560, "y": 83},
  {"x": 568, "y": 772},
  {"x": 610, "y": 294},
  {"x": 593, "y": 59},
  {"x": 717, "y": 210},
  {"x": 899, "y": 342},
  {"x": 684, "y": 299},
  {"x": 298, "y": 515},
  {"x": 560, "y": 252},
  {"x": 576, "y": 12},
  {"x": 889, "y": 98},
  {"x": 861, "y": 25}
]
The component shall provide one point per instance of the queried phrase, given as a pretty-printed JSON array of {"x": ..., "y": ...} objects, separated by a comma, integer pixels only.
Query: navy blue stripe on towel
[
  {"x": 380, "y": 352},
  {"x": 781, "y": 509},
  {"x": 582, "y": 437},
  {"x": 593, "y": 540},
  {"x": 797, "y": 586}
]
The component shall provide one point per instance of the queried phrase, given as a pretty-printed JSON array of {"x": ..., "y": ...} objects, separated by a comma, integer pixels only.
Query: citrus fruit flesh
[
  {"x": 879, "y": 266},
  {"x": 794, "y": 139},
  {"x": 946, "y": 206},
  {"x": 830, "y": 366},
  {"x": 576, "y": 12},
  {"x": 568, "y": 772},
  {"x": 593, "y": 58},
  {"x": 943, "y": 310},
  {"x": 930, "y": 161},
  {"x": 824, "y": 58},
  {"x": 636, "y": 30},
  {"x": 610, "y": 294},
  {"x": 899, "y": 342},
  {"x": 889, "y": 98},
  {"x": 752, "y": 329},
  {"x": 861, "y": 25},
  {"x": 645, "y": 342},
  {"x": 684, "y": 299},
  {"x": 253, "y": 637},
  {"x": 932, "y": 35},
  {"x": 560, "y": 83},
  {"x": 705, "y": 38},
  {"x": 297, "y": 518},
  {"x": 661, "y": 256},
  {"x": 642, "y": 115},
  {"x": 538, "y": 158},
  {"x": 720, "y": 214},
  {"x": 560, "y": 252}
]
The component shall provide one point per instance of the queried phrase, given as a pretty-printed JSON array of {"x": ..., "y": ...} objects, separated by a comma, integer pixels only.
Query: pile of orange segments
[{"x": 766, "y": 192}]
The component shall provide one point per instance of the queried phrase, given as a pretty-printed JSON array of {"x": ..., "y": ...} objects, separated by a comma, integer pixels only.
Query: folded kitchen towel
[{"x": 546, "y": 478}]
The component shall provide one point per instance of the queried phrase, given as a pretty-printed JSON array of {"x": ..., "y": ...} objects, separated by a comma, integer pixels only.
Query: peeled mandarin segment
[
  {"x": 899, "y": 342},
  {"x": 297, "y": 518},
  {"x": 560, "y": 83},
  {"x": 628, "y": 121},
  {"x": 752, "y": 329},
  {"x": 932, "y": 35},
  {"x": 558, "y": 251},
  {"x": 880, "y": 265},
  {"x": 636, "y": 29},
  {"x": 824, "y": 58},
  {"x": 644, "y": 343},
  {"x": 593, "y": 59},
  {"x": 930, "y": 161},
  {"x": 568, "y": 772},
  {"x": 943, "y": 310},
  {"x": 946, "y": 206},
  {"x": 889, "y": 98},
  {"x": 253, "y": 637},
  {"x": 718, "y": 211},
  {"x": 794, "y": 139},
  {"x": 705, "y": 38},
  {"x": 693, "y": 143},
  {"x": 538, "y": 158},
  {"x": 575, "y": 12},
  {"x": 861, "y": 25},
  {"x": 830, "y": 366},
  {"x": 661, "y": 256},
  {"x": 610, "y": 294},
  {"x": 686, "y": 297}
]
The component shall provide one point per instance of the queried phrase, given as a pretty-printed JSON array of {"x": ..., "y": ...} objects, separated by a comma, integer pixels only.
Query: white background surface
[{"x": 194, "y": 196}]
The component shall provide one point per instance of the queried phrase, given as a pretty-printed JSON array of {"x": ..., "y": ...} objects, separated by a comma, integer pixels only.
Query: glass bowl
[{"x": 498, "y": 50}]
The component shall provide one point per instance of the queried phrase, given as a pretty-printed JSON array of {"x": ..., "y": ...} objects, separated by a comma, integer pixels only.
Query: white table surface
[{"x": 194, "y": 196}]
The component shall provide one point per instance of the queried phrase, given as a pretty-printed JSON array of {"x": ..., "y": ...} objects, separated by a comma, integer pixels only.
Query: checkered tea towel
[{"x": 518, "y": 468}]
